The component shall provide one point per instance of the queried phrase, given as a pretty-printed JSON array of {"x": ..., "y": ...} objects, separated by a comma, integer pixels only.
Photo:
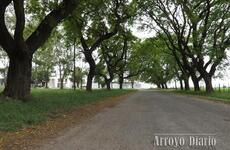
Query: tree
[
  {"x": 44, "y": 62},
  {"x": 136, "y": 61},
  {"x": 98, "y": 22},
  {"x": 127, "y": 50},
  {"x": 63, "y": 56},
  {"x": 99, "y": 80},
  {"x": 71, "y": 40},
  {"x": 20, "y": 50},
  {"x": 112, "y": 53},
  {"x": 201, "y": 29},
  {"x": 161, "y": 64},
  {"x": 79, "y": 76}
]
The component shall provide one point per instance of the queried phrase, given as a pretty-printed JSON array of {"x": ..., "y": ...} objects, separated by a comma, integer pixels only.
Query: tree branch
[
  {"x": 6, "y": 40},
  {"x": 20, "y": 21},
  {"x": 105, "y": 37},
  {"x": 43, "y": 31}
]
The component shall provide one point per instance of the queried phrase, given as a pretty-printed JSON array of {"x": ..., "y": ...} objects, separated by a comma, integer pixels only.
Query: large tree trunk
[
  {"x": 20, "y": 67},
  {"x": 108, "y": 84},
  {"x": 181, "y": 85},
  {"x": 92, "y": 70},
  {"x": 208, "y": 83},
  {"x": 195, "y": 81},
  {"x": 47, "y": 78},
  {"x": 186, "y": 84},
  {"x": 162, "y": 86},
  {"x": 89, "y": 81},
  {"x": 61, "y": 84},
  {"x": 207, "y": 77},
  {"x": 121, "y": 81},
  {"x": 166, "y": 86},
  {"x": 158, "y": 86},
  {"x": 46, "y": 85},
  {"x": 90, "y": 78},
  {"x": 19, "y": 77}
]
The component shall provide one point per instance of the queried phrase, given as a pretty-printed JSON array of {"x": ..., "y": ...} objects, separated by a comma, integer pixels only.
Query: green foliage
[
  {"x": 44, "y": 104},
  {"x": 160, "y": 64},
  {"x": 112, "y": 54},
  {"x": 101, "y": 82},
  {"x": 36, "y": 10},
  {"x": 79, "y": 76},
  {"x": 44, "y": 62},
  {"x": 93, "y": 19},
  {"x": 201, "y": 28}
]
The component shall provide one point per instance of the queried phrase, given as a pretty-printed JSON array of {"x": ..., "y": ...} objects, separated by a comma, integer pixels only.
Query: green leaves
[{"x": 160, "y": 65}]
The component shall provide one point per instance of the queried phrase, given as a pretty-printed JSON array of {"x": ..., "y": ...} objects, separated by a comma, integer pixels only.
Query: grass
[
  {"x": 216, "y": 96},
  {"x": 44, "y": 104}
]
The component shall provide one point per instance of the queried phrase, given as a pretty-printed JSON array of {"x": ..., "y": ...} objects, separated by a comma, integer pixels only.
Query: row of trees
[
  {"x": 114, "y": 60},
  {"x": 87, "y": 23},
  {"x": 196, "y": 34},
  {"x": 191, "y": 36}
]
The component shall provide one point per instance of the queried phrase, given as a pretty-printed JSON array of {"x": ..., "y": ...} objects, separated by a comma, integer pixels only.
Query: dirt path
[{"x": 134, "y": 123}]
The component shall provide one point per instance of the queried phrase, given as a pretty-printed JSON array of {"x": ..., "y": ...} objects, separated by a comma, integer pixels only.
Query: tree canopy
[{"x": 191, "y": 40}]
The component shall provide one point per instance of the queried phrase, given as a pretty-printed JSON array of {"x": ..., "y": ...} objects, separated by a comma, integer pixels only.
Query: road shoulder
[
  {"x": 199, "y": 97},
  {"x": 27, "y": 138}
]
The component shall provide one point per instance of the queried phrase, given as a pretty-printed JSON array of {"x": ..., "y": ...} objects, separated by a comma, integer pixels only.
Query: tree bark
[
  {"x": 162, "y": 86},
  {"x": 20, "y": 51},
  {"x": 208, "y": 83},
  {"x": 74, "y": 65},
  {"x": 90, "y": 77},
  {"x": 132, "y": 83},
  {"x": 108, "y": 84},
  {"x": 19, "y": 77},
  {"x": 61, "y": 84},
  {"x": 166, "y": 86},
  {"x": 196, "y": 83},
  {"x": 158, "y": 86},
  {"x": 78, "y": 84},
  {"x": 186, "y": 84},
  {"x": 121, "y": 81},
  {"x": 207, "y": 77},
  {"x": 92, "y": 69},
  {"x": 81, "y": 84},
  {"x": 181, "y": 85},
  {"x": 46, "y": 85},
  {"x": 47, "y": 78}
]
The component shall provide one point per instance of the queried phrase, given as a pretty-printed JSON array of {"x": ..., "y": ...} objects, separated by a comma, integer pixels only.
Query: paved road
[{"x": 145, "y": 117}]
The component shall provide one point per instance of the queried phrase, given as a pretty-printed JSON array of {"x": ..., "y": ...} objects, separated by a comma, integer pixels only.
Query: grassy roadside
[
  {"x": 223, "y": 96},
  {"x": 46, "y": 104}
]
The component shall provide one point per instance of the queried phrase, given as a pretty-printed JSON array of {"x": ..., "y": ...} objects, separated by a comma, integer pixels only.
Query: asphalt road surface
[{"x": 147, "y": 118}]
